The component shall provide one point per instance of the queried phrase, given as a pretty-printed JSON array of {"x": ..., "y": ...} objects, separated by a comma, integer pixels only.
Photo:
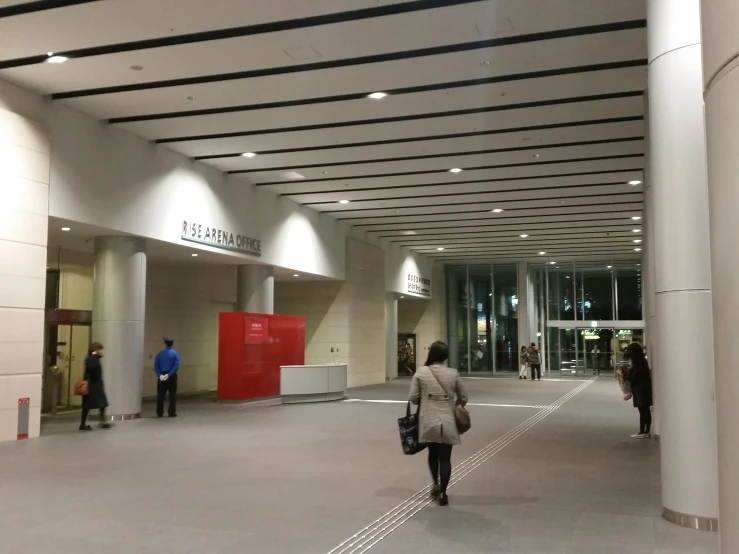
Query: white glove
[{"x": 163, "y": 377}]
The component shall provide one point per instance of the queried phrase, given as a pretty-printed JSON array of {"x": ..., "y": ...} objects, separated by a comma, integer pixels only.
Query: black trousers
[
  {"x": 440, "y": 464},
  {"x": 164, "y": 387},
  {"x": 86, "y": 412},
  {"x": 645, "y": 420},
  {"x": 535, "y": 371}
]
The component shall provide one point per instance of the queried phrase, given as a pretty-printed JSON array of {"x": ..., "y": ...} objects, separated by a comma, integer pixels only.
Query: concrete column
[
  {"x": 391, "y": 336},
  {"x": 650, "y": 293},
  {"x": 721, "y": 86},
  {"x": 256, "y": 289},
  {"x": 118, "y": 314},
  {"x": 522, "y": 310},
  {"x": 682, "y": 264},
  {"x": 24, "y": 215}
]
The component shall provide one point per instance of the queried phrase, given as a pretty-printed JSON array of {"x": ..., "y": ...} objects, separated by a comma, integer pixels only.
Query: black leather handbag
[{"x": 408, "y": 427}]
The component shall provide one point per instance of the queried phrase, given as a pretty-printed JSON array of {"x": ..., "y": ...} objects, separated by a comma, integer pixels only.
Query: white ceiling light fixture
[
  {"x": 637, "y": 249},
  {"x": 634, "y": 183},
  {"x": 637, "y": 240},
  {"x": 523, "y": 236},
  {"x": 440, "y": 248},
  {"x": 409, "y": 232},
  {"x": 377, "y": 95},
  {"x": 542, "y": 253},
  {"x": 636, "y": 230},
  {"x": 455, "y": 170},
  {"x": 636, "y": 218},
  {"x": 194, "y": 255},
  {"x": 344, "y": 201},
  {"x": 296, "y": 275},
  {"x": 66, "y": 229},
  {"x": 248, "y": 154},
  {"x": 55, "y": 59},
  {"x": 552, "y": 263},
  {"x": 609, "y": 266},
  {"x": 497, "y": 210}
]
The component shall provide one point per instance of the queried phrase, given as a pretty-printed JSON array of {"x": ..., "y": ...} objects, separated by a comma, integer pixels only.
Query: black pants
[
  {"x": 86, "y": 412},
  {"x": 440, "y": 464},
  {"x": 164, "y": 387},
  {"x": 645, "y": 420},
  {"x": 535, "y": 371}
]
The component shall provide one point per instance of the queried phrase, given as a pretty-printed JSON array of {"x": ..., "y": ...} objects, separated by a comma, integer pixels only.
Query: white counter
[{"x": 312, "y": 383}]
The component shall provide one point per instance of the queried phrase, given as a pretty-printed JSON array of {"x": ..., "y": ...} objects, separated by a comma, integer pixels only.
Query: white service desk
[{"x": 312, "y": 383}]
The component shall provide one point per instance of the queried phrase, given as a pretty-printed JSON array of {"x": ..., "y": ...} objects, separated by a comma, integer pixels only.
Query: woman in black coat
[
  {"x": 95, "y": 398},
  {"x": 640, "y": 378}
]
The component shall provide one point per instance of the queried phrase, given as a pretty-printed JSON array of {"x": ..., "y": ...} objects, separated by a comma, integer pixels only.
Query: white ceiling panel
[
  {"x": 507, "y": 119},
  {"x": 545, "y": 118}
]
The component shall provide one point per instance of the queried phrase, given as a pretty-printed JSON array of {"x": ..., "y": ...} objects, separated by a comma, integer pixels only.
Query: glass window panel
[
  {"x": 629, "y": 287},
  {"x": 506, "y": 317}
]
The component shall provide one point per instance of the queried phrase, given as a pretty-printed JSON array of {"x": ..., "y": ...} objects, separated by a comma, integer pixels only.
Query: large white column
[
  {"x": 256, "y": 289},
  {"x": 391, "y": 336},
  {"x": 650, "y": 293},
  {"x": 682, "y": 264},
  {"x": 24, "y": 216},
  {"x": 721, "y": 85},
  {"x": 118, "y": 315}
]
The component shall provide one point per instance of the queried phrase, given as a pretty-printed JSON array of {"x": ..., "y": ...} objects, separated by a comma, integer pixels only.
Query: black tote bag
[{"x": 408, "y": 427}]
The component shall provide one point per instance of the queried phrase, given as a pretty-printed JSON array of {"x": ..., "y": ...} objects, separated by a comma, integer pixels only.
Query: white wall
[
  {"x": 399, "y": 264},
  {"x": 24, "y": 183},
  {"x": 107, "y": 177},
  {"x": 425, "y": 318},
  {"x": 347, "y": 316}
]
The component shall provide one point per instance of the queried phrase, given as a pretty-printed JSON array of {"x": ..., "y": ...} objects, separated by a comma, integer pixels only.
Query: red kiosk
[{"x": 251, "y": 349}]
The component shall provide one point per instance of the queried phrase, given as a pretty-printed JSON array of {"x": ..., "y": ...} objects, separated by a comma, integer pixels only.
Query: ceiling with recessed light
[{"x": 462, "y": 129}]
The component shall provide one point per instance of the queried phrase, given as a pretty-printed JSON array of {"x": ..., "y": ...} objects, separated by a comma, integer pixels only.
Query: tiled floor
[{"x": 305, "y": 479}]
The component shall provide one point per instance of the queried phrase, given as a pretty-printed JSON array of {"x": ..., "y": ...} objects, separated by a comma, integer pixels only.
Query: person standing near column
[
  {"x": 166, "y": 364},
  {"x": 534, "y": 358}
]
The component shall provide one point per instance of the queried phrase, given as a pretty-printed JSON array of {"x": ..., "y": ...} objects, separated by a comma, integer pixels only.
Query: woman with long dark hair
[
  {"x": 439, "y": 390},
  {"x": 640, "y": 378},
  {"x": 95, "y": 399}
]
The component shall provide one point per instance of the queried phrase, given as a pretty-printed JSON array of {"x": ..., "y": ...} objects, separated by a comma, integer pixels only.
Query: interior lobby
[{"x": 301, "y": 198}]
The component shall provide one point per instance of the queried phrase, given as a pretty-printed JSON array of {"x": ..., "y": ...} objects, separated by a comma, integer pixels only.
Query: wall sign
[
  {"x": 418, "y": 285},
  {"x": 256, "y": 330},
  {"x": 218, "y": 238}
]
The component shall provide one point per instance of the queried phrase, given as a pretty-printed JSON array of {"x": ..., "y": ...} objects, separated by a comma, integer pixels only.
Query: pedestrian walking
[
  {"x": 439, "y": 390},
  {"x": 95, "y": 398}
]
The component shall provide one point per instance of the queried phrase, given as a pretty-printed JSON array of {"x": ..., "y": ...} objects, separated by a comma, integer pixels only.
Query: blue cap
[{"x": 168, "y": 339}]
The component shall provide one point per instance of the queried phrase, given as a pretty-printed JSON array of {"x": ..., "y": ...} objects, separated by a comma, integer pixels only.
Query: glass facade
[
  {"x": 574, "y": 311},
  {"x": 481, "y": 317}
]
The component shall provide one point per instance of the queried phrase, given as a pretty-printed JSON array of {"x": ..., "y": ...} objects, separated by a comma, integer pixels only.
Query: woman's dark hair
[
  {"x": 95, "y": 346},
  {"x": 635, "y": 352},
  {"x": 523, "y": 348},
  {"x": 438, "y": 353}
]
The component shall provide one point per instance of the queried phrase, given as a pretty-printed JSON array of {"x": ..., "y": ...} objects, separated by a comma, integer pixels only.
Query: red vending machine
[{"x": 251, "y": 349}]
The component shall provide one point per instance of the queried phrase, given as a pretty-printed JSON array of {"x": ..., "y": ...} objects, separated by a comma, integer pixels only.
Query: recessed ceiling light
[
  {"x": 377, "y": 95},
  {"x": 66, "y": 229},
  {"x": 455, "y": 170},
  {"x": 194, "y": 255},
  {"x": 248, "y": 154},
  {"x": 636, "y": 230},
  {"x": 537, "y": 155},
  {"x": 636, "y": 217},
  {"x": 409, "y": 232},
  {"x": 609, "y": 266},
  {"x": 440, "y": 248},
  {"x": 497, "y": 210},
  {"x": 542, "y": 253},
  {"x": 523, "y": 236},
  {"x": 637, "y": 240},
  {"x": 637, "y": 249},
  {"x": 344, "y": 201},
  {"x": 634, "y": 183},
  {"x": 552, "y": 263},
  {"x": 296, "y": 275},
  {"x": 567, "y": 276},
  {"x": 56, "y": 59}
]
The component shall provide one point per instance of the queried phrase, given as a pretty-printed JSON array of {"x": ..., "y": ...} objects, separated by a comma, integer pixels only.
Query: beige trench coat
[{"x": 437, "y": 407}]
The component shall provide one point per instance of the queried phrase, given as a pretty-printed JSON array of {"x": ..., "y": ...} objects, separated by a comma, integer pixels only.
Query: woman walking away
[
  {"x": 439, "y": 390},
  {"x": 640, "y": 379},
  {"x": 95, "y": 398},
  {"x": 522, "y": 360}
]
